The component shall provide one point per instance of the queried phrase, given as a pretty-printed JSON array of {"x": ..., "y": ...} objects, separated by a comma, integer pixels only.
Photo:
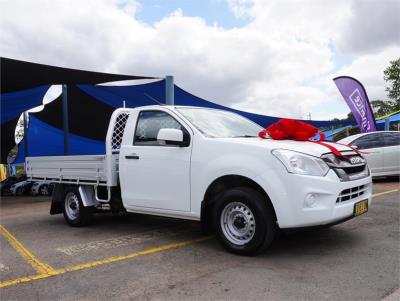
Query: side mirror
[{"x": 170, "y": 137}]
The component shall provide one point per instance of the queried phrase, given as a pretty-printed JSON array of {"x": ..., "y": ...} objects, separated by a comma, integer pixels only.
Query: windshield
[{"x": 220, "y": 124}]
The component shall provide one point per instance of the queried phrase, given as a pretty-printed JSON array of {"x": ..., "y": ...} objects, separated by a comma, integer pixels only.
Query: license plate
[{"x": 360, "y": 207}]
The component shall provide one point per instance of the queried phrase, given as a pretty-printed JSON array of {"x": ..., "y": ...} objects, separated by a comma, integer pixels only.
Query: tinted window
[
  {"x": 369, "y": 141},
  {"x": 391, "y": 139},
  {"x": 148, "y": 125}
]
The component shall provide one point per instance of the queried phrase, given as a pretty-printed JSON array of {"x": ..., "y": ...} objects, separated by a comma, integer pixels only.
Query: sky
[{"x": 272, "y": 57}]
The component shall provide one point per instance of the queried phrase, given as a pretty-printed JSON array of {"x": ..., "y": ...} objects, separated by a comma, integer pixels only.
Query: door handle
[{"x": 132, "y": 156}]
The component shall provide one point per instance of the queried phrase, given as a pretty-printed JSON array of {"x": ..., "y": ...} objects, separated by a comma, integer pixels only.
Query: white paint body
[{"x": 172, "y": 181}]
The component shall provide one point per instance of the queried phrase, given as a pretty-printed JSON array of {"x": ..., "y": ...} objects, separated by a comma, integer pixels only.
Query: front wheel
[
  {"x": 245, "y": 221},
  {"x": 74, "y": 212}
]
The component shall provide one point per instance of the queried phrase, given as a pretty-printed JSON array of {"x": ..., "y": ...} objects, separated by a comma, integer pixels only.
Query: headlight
[{"x": 302, "y": 164}]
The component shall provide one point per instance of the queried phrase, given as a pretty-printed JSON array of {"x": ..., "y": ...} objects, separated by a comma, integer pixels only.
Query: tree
[
  {"x": 382, "y": 108},
  {"x": 350, "y": 116},
  {"x": 392, "y": 77}
]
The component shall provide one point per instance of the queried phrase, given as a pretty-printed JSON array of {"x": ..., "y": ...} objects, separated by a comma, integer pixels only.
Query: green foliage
[
  {"x": 350, "y": 116},
  {"x": 392, "y": 77},
  {"x": 382, "y": 107}
]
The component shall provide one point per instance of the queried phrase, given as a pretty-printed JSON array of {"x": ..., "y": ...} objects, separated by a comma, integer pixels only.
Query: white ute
[{"x": 208, "y": 165}]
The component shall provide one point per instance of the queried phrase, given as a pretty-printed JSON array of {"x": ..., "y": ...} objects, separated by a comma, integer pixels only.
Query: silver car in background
[
  {"x": 41, "y": 188},
  {"x": 382, "y": 151},
  {"x": 21, "y": 188}
]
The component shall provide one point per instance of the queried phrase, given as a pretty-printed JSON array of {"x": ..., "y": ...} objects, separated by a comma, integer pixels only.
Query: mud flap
[
  {"x": 206, "y": 219},
  {"x": 57, "y": 199}
]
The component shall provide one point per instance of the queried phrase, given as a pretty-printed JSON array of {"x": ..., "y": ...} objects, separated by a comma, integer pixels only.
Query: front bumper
[{"x": 289, "y": 194}]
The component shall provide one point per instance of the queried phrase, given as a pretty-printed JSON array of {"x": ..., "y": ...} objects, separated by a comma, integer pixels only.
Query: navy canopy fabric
[
  {"x": 134, "y": 96},
  {"x": 23, "y": 85},
  {"x": 13, "y": 104},
  {"x": 45, "y": 140},
  {"x": 88, "y": 117},
  {"x": 154, "y": 93},
  {"x": 20, "y": 75}
]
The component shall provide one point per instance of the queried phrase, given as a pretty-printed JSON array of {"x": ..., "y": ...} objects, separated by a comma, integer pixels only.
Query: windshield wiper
[{"x": 244, "y": 136}]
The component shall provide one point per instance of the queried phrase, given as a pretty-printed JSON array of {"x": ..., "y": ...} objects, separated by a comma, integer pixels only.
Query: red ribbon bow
[{"x": 291, "y": 129}]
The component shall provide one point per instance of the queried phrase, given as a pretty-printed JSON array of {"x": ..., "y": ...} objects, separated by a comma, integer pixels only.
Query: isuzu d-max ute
[{"x": 208, "y": 165}]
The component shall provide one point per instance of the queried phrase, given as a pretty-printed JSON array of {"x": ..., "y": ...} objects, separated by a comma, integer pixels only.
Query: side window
[
  {"x": 368, "y": 141},
  {"x": 391, "y": 139},
  {"x": 149, "y": 123}
]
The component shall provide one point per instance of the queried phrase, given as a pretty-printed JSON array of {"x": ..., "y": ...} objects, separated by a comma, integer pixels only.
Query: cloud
[
  {"x": 281, "y": 63},
  {"x": 373, "y": 25}
]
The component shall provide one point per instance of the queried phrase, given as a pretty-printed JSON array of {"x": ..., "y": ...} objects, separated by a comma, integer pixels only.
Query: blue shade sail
[
  {"x": 13, "y": 104},
  {"x": 45, "y": 140}
]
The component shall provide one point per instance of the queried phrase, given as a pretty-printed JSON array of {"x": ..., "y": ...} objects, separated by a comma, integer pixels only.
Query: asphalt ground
[{"x": 129, "y": 257}]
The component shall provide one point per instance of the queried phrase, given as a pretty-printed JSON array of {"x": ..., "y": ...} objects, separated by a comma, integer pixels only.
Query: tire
[
  {"x": 20, "y": 191},
  {"x": 244, "y": 221},
  {"x": 44, "y": 190},
  {"x": 75, "y": 214}
]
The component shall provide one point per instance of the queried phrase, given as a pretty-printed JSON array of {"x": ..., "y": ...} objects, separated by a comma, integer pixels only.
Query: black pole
[
  {"x": 25, "y": 119},
  {"x": 65, "y": 118}
]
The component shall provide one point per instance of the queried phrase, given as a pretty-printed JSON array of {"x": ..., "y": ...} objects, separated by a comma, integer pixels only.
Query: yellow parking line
[
  {"x": 24, "y": 279},
  {"x": 102, "y": 262},
  {"x": 40, "y": 267},
  {"x": 132, "y": 255},
  {"x": 385, "y": 192}
]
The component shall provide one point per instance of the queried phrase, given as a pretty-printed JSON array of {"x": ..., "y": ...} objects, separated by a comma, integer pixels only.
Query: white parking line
[
  {"x": 126, "y": 240},
  {"x": 4, "y": 268}
]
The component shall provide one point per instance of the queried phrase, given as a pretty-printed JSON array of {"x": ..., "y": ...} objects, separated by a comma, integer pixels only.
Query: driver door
[{"x": 153, "y": 175}]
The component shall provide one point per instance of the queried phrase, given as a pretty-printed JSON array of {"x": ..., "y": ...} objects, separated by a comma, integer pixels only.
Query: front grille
[
  {"x": 351, "y": 193},
  {"x": 345, "y": 170},
  {"x": 353, "y": 170}
]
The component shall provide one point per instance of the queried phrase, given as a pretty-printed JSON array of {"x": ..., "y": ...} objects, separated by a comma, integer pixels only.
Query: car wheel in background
[
  {"x": 20, "y": 191},
  {"x": 44, "y": 190}
]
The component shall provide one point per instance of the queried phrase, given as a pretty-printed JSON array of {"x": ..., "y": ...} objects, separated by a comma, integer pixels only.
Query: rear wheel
[
  {"x": 74, "y": 212},
  {"x": 245, "y": 221}
]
